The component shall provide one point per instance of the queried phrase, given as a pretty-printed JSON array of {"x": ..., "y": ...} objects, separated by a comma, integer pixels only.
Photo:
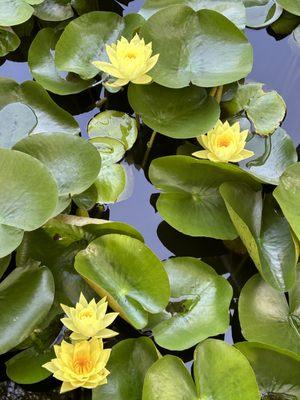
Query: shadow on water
[{"x": 277, "y": 64}]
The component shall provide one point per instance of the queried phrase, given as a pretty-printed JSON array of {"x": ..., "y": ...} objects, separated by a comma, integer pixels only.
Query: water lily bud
[
  {"x": 80, "y": 365},
  {"x": 130, "y": 61},
  {"x": 224, "y": 143},
  {"x": 89, "y": 320}
]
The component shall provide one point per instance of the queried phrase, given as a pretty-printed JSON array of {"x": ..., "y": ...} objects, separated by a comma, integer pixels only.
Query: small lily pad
[
  {"x": 110, "y": 183},
  {"x": 115, "y": 125},
  {"x": 9, "y": 41},
  {"x": 54, "y": 10},
  {"x": 16, "y": 122}
]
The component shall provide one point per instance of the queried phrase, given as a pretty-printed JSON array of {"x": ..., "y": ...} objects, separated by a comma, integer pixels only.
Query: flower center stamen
[
  {"x": 84, "y": 314},
  {"x": 82, "y": 364},
  {"x": 224, "y": 141}
]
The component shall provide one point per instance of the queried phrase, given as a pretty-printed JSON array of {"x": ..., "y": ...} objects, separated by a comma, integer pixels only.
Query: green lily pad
[
  {"x": 9, "y": 41},
  {"x": 111, "y": 150},
  {"x": 129, "y": 361},
  {"x": 261, "y": 14},
  {"x": 43, "y": 68},
  {"x": 110, "y": 184},
  {"x": 267, "y": 317},
  {"x": 221, "y": 372},
  {"x": 84, "y": 6},
  {"x": 137, "y": 282},
  {"x": 26, "y": 367},
  {"x": 16, "y": 122},
  {"x": 14, "y": 12},
  {"x": 234, "y": 10},
  {"x": 272, "y": 155},
  {"x": 190, "y": 200},
  {"x": 266, "y": 112},
  {"x": 195, "y": 288},
  {"x": 28, "y": 195},
  {"x": 167, "y": 111},
  {"x": 279, "y": 382},
  {"x": 243, "y": 95},
  {"x": 54, "y": 10},
  {"x": 292, "y": 6},
  {"x": 202, "y": 47},
  {"x": 265, "y": 233},
  {"x": 73, "y": 161},
  {"x": 26, "y": 296},
  {"x": 115, "y": 125},
  {"x": 10, "y": 238},
  {"x": 84, "y": 40},
  {"x": 51, "y": 118},
  {"x": 287, "y": 194}
]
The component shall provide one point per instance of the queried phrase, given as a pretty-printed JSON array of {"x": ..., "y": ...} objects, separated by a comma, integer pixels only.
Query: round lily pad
[
  {"x": 16, "y": 122},
  {"x": 137, "y": 282},
  {"x": 201, "y": 47},
  {"x": 267, "y": 317},
  {"x": 262, "y": 13},
  {"x": 115, "y": 125},
  {"x": 178, "y": 113},
  {"x": 9, "y": 41},
  {"x": 84, "y": 40},
  {"x": 111, "y": 150},
  {"x": 43, "y": 68},
  {"x": 73, "y": 161},
  {"x": 14, "y": 12},
  {"x": 110, "y": 183},
  {"x": 54, "y": 10},
  {"x": 195, "y": 288},
  {"x": 292, "y": 6}
]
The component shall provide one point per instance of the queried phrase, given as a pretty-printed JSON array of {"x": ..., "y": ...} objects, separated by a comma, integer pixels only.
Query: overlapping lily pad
[
  {"x": 54, "y": 10},
  {"x": 130, "y": 359},
  {"x": 220, "y": 371},
  {"x": 51, "y": 117},
  {"x": 167, "y": 111},
  {"x": 190, "y": 200},
  {"x": 28, "y": 197},
  {"x": 16, "y": 122},
  {"x": 292, "y": 6},
  {"x": 195, "y": 289},
  {"x": 267, "y": 317},
  {"x": 84, "y": 40},
  {"x": 277, "y": 371},
  {"x": 14, "y": 12},
  {"x": 73, "y": 161},
  {"x": 265, "y": 233},
  {"x": 287, "y": 194},
  {"x": 110, "y": 183},
  {"x": 272, "y": 155},
  {"x": 232, "y": 9},
  {"x": 202, "y": 47},
  {"x": 262, "y": 13},
  {"x": 26, "y": 296},
  {"x": 128, "y": 273},
  {"x": 9, "y": 41},
  {"x": 43, "y": 68},
  {"x": 116, "y": 125}
]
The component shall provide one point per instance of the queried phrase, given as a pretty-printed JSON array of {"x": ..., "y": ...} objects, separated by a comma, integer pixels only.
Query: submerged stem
[
  {"x": 149, "y": 147},
  {"x": 219, "y": 94}
]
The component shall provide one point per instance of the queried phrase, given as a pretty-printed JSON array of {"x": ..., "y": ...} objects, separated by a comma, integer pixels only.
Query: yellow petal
[
  {"x": 66, "y": 387},
  {"x": 108, "y": 68},
  {"x": 142, "y": 80},
  {"x": 242, "y": 155},
  {"x": 151, "y": 63},
  {"x": 201, "y": 154}
]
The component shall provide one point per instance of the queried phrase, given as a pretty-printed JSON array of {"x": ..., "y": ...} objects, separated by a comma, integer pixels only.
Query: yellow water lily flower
[
  {"x": 130, "y": 61},
  {"x": 224, "y": 143},
  {"x": 80, "y": 365},
  {"x": 89, "y": 320}
]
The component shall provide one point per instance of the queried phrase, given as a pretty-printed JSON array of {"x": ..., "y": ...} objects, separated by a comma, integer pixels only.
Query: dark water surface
[{"x": 277, "y": 64}]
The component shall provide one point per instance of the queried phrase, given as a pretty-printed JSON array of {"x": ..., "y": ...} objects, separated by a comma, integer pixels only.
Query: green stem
[
  {"x": 213, "y": 91},
  {"x": 219, "y": 94},
  {"x": 138, "y": 122},
  {"x": 149, "y": 147}
]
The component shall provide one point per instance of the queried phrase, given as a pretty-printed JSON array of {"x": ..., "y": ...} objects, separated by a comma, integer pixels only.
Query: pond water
[{"x": 277, "y": 64}]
